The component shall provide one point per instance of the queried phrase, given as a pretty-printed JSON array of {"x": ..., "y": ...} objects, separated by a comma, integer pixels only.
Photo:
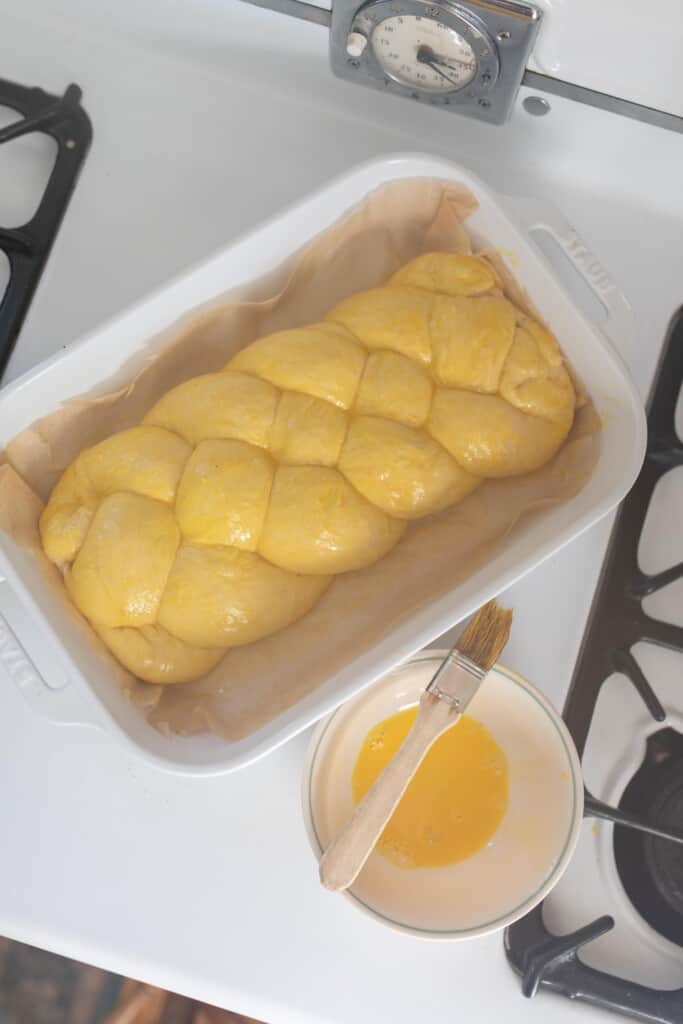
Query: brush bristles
[{"x": 486, "y": 634}]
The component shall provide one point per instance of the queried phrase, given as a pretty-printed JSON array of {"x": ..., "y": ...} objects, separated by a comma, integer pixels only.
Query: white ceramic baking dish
[{"x": 46, "y": 655}]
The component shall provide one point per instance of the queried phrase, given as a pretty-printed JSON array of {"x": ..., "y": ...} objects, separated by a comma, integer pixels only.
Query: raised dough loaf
[{"x": 225, "y": 515}]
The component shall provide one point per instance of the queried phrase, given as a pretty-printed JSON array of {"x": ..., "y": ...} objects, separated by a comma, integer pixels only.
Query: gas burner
[
  {"x": 625, "y": 712},
  {"x": 25, "y": 248},
  {"x": 650, "y": 869}
]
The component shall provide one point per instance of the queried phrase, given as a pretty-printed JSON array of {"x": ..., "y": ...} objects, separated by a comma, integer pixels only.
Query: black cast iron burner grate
[
  {"x": 27, "y": 247},
  {"x": 616, "y": 622}
]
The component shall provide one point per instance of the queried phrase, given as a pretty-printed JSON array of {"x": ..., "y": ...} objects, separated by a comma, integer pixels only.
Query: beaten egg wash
[{"x": 455, "y": 801}]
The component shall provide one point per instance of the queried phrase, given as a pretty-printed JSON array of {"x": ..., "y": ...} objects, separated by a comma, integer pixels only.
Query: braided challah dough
[{"x": 226, "y": 514}]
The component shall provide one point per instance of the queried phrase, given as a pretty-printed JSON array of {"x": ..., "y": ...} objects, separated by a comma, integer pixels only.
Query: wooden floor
[{"x": 40, "y": 988}]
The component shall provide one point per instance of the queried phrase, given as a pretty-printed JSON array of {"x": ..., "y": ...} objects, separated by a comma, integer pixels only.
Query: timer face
[{"x": 423, "y": 53}]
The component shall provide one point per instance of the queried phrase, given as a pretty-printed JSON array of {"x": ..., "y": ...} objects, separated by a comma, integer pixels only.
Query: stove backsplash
[{"x": 628, "y": 50}]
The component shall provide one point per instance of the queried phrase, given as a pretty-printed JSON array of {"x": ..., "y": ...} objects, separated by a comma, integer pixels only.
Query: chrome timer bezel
[{"x": 500, "y": 32}]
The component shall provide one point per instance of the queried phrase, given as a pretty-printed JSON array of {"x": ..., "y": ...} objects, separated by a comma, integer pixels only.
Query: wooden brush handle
[{"x": 346, "y": 855}]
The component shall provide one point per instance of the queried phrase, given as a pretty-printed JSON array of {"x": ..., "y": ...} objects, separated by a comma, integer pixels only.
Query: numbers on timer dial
[{"x": 446, "y": 61}]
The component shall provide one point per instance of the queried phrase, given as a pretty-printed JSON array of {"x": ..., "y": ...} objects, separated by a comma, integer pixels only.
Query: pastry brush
[{"x": 451, "y": 689}]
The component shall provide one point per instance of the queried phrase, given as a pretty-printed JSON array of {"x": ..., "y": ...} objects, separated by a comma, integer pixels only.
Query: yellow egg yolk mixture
[{"x": 456, "y": 800}]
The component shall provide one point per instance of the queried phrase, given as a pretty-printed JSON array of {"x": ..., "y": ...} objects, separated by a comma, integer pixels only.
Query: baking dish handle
[
  {"x": 61, "y": 700},
  {"x": 536, "y": 216}
]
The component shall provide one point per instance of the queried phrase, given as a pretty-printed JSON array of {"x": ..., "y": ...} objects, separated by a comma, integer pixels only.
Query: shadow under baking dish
[{"x": 529, "y": 851}]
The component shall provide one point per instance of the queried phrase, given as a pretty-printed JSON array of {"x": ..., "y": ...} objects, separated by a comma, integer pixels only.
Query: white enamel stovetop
[{"x": 207, "y": 886}]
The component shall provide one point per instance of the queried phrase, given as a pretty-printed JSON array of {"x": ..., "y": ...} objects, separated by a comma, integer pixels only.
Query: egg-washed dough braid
[{"x": 226, "y": 514}]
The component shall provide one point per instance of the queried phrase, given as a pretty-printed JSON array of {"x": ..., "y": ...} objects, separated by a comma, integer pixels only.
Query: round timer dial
[{"x": 424, "y": 53}]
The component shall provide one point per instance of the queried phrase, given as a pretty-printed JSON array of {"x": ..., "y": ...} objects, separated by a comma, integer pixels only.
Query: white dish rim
[{"x": 81, "y": 702}]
